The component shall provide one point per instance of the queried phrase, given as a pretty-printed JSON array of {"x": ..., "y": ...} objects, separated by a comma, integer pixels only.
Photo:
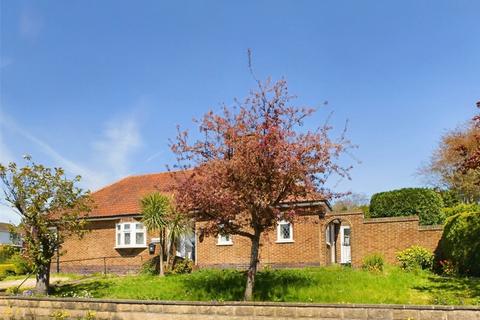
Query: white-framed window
[
  {"x": 284, "y": 231},
  {"x": 224, "y": 240},
  {"x": 130, "y": 235}
]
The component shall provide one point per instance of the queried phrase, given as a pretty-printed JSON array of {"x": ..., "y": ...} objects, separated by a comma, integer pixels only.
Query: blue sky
[{"x": 98, "y": 87}]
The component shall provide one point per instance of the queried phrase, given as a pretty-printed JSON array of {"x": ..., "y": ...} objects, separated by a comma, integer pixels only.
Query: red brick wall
[
  {"x": 97, "y": 249},
  {"x": 303, "y": 251},
  {"x": 383, "y": 235}
]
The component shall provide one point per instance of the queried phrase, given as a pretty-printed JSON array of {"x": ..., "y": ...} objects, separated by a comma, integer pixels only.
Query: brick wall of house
[
  {"x": 381, "y": 235},
  {"x": 96, "y": 250},
  {"x": 302, "y": 252}
]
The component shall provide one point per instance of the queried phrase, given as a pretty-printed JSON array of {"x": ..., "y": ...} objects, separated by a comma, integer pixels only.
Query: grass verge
[{"x": 323, "y": 285}]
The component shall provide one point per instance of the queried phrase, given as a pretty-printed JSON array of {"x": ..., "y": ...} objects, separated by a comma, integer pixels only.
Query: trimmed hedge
[
  {"x": 425, "y": 203},
  {"x": 460, "y": 243}
]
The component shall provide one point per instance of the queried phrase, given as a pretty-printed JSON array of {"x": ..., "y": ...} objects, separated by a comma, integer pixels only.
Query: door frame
[{"x": 343, "y": 259}]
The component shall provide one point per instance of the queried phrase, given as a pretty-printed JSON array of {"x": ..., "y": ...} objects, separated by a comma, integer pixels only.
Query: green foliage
[
  {"x": 448, "y": 268},
  {"x": 373, "y": 263},
  {"x": 450, "y": 198},
  {"x": 425, "y": 203},
  {"x": 150, "y": 267},
  {"x": 460, "y": 242},
  {"x": 333, "y": 284},
  {"x": 6, "y": 252},
  {"x": 20, "y": 264},
  {"x": 12, "y": 290},
  {"x": 47, "y": 201},
  {"x": 182, "y": 266},
  {"x": 414, "y": 258},
  {"x": 460, "y": 208},
  {"x": 7, "y": 269},
  {"x": 155, "y": 209}
]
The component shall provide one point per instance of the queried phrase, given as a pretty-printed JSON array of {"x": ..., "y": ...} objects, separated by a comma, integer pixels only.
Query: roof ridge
[{"x": 138, "y": 176}]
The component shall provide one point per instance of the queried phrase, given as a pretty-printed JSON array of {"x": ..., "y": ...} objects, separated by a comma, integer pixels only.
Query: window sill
[
  {"x": 131, "y": 247},
  {"x": 284, "y": 241},
  {"x": 225, "y": 244}
]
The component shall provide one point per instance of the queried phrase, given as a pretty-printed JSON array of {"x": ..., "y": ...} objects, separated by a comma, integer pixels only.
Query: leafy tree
[
  {"x": 155, "y": 210},
  {"x": 50, "y": 207},
  {"x": 350, "y": 202},
  {"x": 251, "y": 160},
  {"x": 460, "y": 243},
  {"x": 455, "y": 164}
]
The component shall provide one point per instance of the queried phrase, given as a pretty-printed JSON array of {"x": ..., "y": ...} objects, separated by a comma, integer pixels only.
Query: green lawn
[{"x": 324, "y": 285}]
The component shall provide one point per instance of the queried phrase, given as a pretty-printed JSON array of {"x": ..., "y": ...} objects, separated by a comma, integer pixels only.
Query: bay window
[{"x": 130, "y": 235}]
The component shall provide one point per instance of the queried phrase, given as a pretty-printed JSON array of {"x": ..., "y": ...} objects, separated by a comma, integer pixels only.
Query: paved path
[{"x": 30, "y": 283}]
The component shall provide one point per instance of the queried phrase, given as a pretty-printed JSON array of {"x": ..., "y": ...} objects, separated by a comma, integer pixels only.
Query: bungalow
[{"x": 118, "y": 241}]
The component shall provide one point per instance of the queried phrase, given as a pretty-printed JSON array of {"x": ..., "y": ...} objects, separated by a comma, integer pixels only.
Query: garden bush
[
  {"x": 182, "y": 266},
  {"x": 415, "y": 257},
  {"x": 460, "y": 208},
  {"x": 6, "y": 252},
  {"x": 7, "y": 269},
  {"x": 20, "y": 265},
  {"x": 425, "y": 203},
  {"x": 460, "y": 243},
  {"x": 374, "y": 263}
]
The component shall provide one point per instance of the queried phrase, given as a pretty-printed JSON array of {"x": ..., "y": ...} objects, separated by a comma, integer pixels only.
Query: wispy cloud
[
  {"x": 91, "y": 178},
  {"x": 154, "y": 156},
  {"x": 121, "y": 138},
  {"x": 30, "y": 23},
  {"x": 112, "y": 153}
]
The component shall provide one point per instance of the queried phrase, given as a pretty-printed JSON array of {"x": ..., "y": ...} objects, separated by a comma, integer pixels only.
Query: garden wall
[
  {"x": 386, "y": 236},
  {"x": 47, "y": 308}
]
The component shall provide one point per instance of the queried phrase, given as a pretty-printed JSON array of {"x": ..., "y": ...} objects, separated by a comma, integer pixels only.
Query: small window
[
  {"x": 130, "y": 235},
  {"x": 284, "y": 231},
  {"x": 224, "y": 240}
]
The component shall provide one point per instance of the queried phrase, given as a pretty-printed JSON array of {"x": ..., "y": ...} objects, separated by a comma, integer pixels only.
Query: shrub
[
  {"x": 6, "y": 252},
  {"x": 460, "y": 208},
  {"x": 415, "y": 257},
  {"x": 374, "y": 263},
  {"x": 448, "y": 268},
  {"x": 460, "y": 243},
  {"x": 425, "y": 203},
  {"x": 21, "y": 266},
  {"x": 183, "y": 266},
  {"x": 150, "y": 267},
  {"x": 7, "y": 269}
]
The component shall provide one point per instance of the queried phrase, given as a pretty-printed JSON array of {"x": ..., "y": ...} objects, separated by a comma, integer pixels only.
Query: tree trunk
[
  {"x": 43, "y": 279},
  {"x": 160, "y": 255},
  {"x": 252, "y": 269}
]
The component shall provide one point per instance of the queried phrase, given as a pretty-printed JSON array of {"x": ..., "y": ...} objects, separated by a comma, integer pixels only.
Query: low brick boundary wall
[{"x": 44, "y": 308}]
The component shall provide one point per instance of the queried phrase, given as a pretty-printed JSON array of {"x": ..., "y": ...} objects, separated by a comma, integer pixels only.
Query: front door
[{"x": 345, "y": 252}]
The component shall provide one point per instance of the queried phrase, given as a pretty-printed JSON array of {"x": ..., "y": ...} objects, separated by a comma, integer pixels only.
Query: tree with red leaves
[
  {"x": 472, "y": 157},
  {"x": 251, "y": 159}
]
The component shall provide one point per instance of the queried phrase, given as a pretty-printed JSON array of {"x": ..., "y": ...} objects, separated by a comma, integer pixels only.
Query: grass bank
[{"x": 323, "y": 285}]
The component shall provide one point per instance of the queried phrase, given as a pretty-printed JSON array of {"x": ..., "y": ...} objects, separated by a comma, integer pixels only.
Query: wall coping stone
[
  {"x": 391, "y": 219},
  {"x": 246, "y": 303}
]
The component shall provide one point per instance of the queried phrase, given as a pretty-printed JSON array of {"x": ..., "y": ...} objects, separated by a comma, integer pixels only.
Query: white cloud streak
[{"x": 121, "y": 139}]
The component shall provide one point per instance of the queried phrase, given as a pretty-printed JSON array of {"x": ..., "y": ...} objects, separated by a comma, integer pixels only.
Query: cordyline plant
[
  {"x": 50, "y": 207},
  {"x": 253, "y": 158}
]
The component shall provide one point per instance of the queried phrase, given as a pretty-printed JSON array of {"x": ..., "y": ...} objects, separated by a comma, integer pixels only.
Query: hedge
[
  {"x": 460, "y": 243},
  {"x": 425, "y": 203}
]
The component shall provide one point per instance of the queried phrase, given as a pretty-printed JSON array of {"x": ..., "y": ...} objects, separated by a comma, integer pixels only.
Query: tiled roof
[{"x": 123, "y": 197}]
